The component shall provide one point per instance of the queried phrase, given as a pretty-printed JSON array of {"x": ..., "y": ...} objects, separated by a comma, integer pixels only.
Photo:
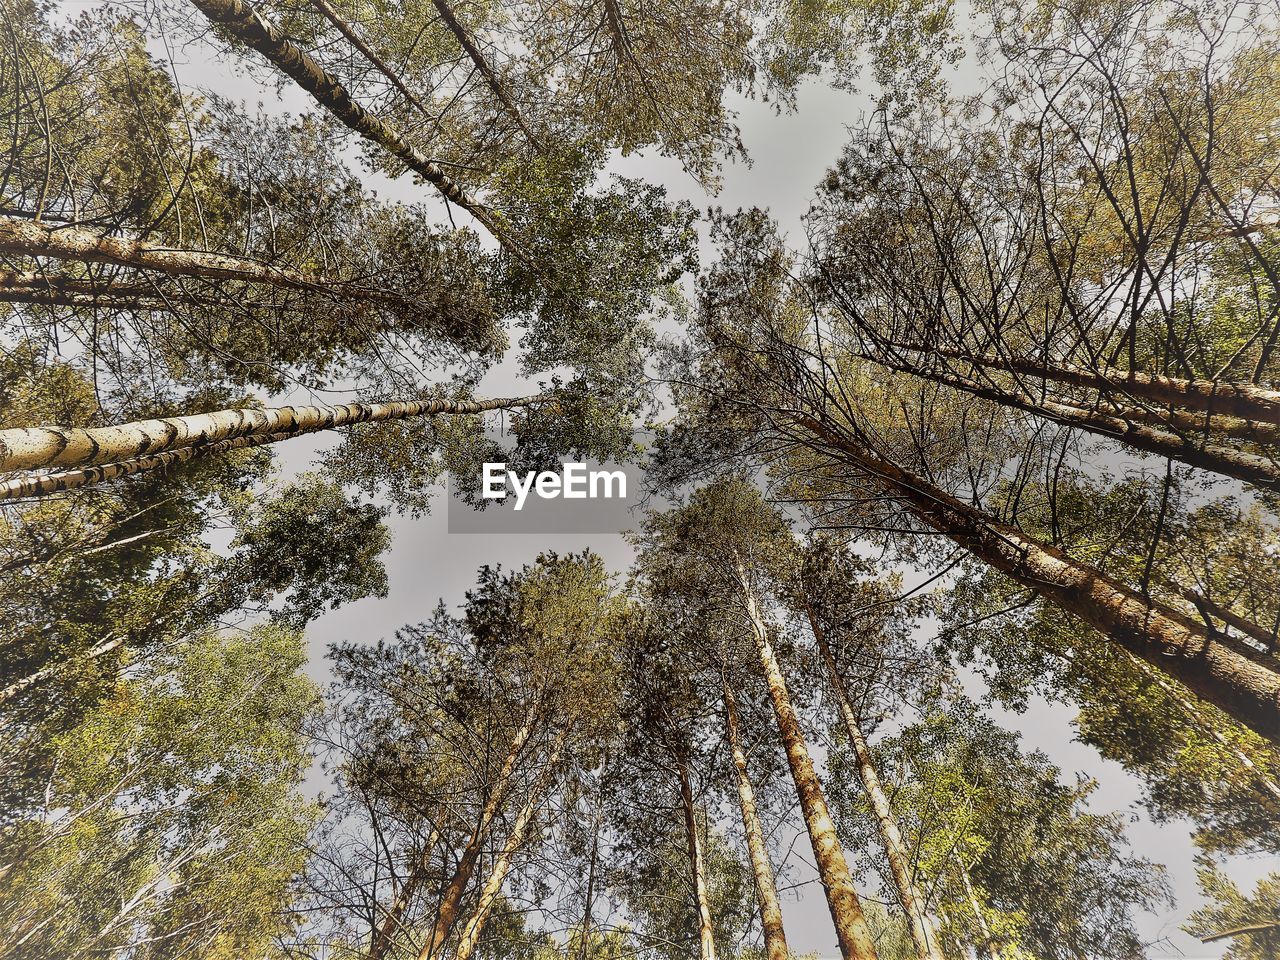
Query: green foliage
[{"x": 1252, "y": 923}]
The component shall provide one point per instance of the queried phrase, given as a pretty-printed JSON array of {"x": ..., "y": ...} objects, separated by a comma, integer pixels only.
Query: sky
[{"x": 789, "y": 154}]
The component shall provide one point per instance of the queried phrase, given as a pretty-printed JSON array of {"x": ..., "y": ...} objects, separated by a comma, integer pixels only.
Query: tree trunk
[
  {"x": 353, "y": 38},
  {"x": 43, "y": 484},
  {"x": 697, "y": 864},
  {"x": 28, "y": 448},
  {"x": 909, "y": 896},
  {"x": 1242, "y": 400},
  {"x": 243, "y": 22},
  {"x": 1246, "y": 626},
  {"x": 451, "y": 899},
  {"x": 854, "y": 935},
  {"x": 775, "y": 939},
  {"x": 1221, "y": 670},
  {"x": 44, "y": 673},
  {"x": 515, "y": 840},
  {"x": 1224, "y": 460},
  {"x": 984, "y": 931},
  {"x": 490, "y": 76},
  {"x": 384, "y": 933},
  {"x": 33, "y": 238}
]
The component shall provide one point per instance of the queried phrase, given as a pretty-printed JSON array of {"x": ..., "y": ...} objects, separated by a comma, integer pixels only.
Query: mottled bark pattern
[{"x": 697, "y": 865}]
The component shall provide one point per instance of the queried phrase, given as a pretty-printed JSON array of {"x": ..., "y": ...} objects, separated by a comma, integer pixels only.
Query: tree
[{"x": 1016, "y": 863}]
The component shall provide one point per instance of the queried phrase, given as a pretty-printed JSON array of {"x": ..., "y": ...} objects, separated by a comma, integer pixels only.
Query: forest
[{"x": 947, "y": 625}]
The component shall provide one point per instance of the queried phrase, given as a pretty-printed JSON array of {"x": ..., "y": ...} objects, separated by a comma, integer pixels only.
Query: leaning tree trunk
[
  {"x": 470, "y": 937},
  {"x": 988, "y": 942},
  {"x": 1221, "y": 670},
  {"x": 246, "y": 25},
  {"x": 486, "y": 70},
  {"x": 451, "y": 899},
  {"x": 34, "y": 238},
  {"x": 910, "y": 898},
  {"x": 856, "y": 942},
  {"x": 697, "y": 864},
  {"x": 1214, "y": 457},
  {"x": 1243, "y": 400},
  {"x": 383, "y": 935},
  {"x": 349, "y": 34},
  {"x": 775, "y": 939},
  {"x": 44, "y": 673},
  {"x": 27, "y": 448}
]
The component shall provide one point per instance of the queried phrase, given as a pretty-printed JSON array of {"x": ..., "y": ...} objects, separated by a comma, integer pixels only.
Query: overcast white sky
[{"x": 790, "y": 153}]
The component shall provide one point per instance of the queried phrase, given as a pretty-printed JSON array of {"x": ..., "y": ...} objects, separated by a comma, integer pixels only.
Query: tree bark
[
  {"x": 1242, "y": 400},
  {"x": 856, "y": 942},
  {"x": 34, "y": 238},
  {"x": 244, "y": 23},
  {"x": 28, "y": 448},
  {"x": 451, "y": 899},
  {"x": 697, "y": 864},
  {"x": 1221, "y": 670},
  {"x": 775, "y": 939},
  {"x": 486, "y": 70},
  {"x": 1224, "y": 460},
  {"x": 43, "y": 484},
  {"x": 470, "y": 938},
  {"x": 910, "y": 898}
]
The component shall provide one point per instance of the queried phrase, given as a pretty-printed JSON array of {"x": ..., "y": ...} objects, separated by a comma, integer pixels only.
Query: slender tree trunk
[
  {"x": 43, "y": 484},
  {"x": 34, "y": 238},
  {"x": 988, "y": 943},
  {"x": 246, "y": 25},
  {"x": 584, "y": 938},
  {"x": 384, "y": 932},
  {"x": 27, "y": 448},
  {"x": 1243, "y": 400},
  {"x": 44, "y": 673},
  {"x": 1216, "y": 458},
  {"x": 1221, "y": 670},
  {"x": 909, "y": 896},
  {"x": 329, "y": 13},
  {"x": 470, "y": 938},
  {"x": 856, "y": 942},
  {"x": 697, "y": 864},
  {"x": 486, "y": 70},
  {"x": 1246, "y": 626},
  {"x": 1268, "y": 787},
  {"x": 775, "y": 939},
  {"x": 451, "y": 899}
]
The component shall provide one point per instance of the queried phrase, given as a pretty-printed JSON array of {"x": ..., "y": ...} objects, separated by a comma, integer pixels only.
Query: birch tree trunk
[
  {"x": 1219, "y": 669},
  {"x": 912, "y": 901},
  {"x": 775, "y": 939},
  {"x": 1242, "y": 400},
  {"x": 697, "y": 864},
  {"x": 384, "y": 933},
  {"x": 329, "y": 13},
  {"x": 451, "y": 899},
  {"x": 34, "y": 238},
  {"x": 856, "y": 942},
  {"x": 246, "y": 25},
  {"x": 470, "y": 938},
  {"x": 27, "y": 448}
]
